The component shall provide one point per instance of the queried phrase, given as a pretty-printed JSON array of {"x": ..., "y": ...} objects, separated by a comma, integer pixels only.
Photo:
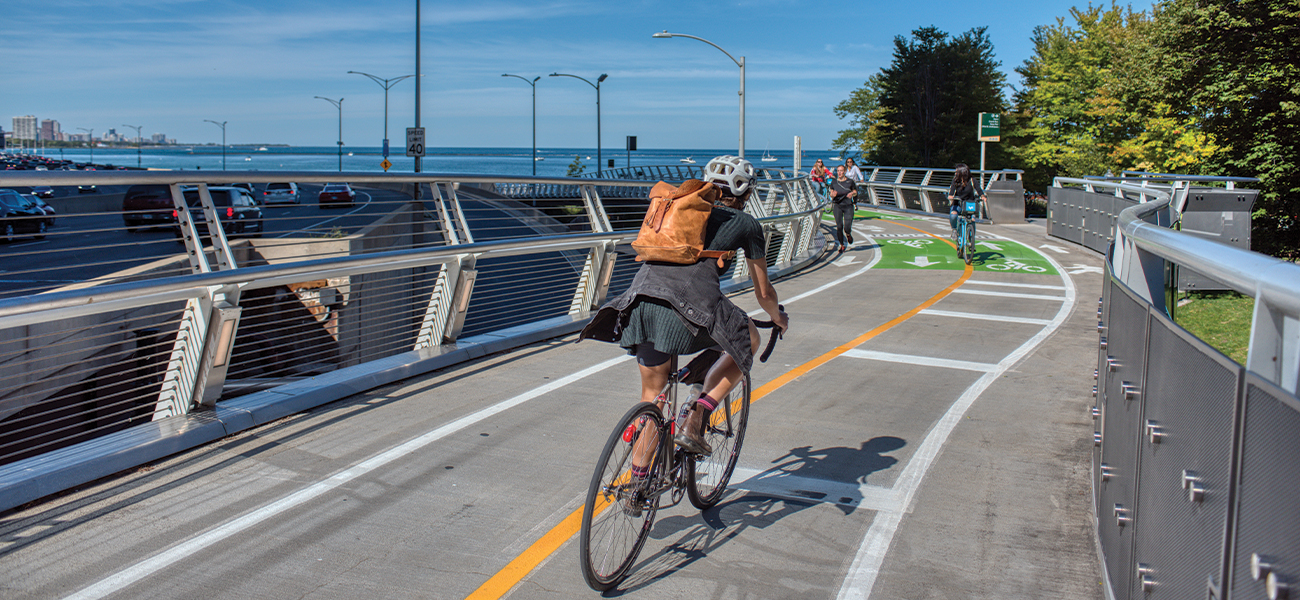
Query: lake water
[{"x": 489, "y": 161}]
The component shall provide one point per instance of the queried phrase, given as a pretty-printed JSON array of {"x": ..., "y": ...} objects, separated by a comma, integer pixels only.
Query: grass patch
[{"x": 1221, "y": 319}]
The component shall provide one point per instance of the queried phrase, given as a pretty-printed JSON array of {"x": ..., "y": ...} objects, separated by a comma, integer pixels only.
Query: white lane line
[
  {"x": 1018, "y": 285},
  {"x": 871, "y": 554},
  {"x": 1008, "y": 294},
  {"x": 774, "y": 482},
  {"x": 185, "y": 549},
  {"x": 982, "y": 317},
  {"x": 875, "y": 258},
  {"x": 924, "y": 361}
]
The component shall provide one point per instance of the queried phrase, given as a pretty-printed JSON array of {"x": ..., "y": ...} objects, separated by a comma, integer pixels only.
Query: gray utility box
[
  {"x": 1006, "y": 201},
  {"x": 1220, "y": 215}
]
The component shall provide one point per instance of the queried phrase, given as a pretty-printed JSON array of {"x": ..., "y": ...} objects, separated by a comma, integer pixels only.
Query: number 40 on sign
[{"x": 415, "y": 141}]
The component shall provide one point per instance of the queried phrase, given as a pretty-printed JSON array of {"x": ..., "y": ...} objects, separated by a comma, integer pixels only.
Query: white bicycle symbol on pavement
[
  {"x": 1015, "y": 265},
  {"x": 912, "y": 243}
]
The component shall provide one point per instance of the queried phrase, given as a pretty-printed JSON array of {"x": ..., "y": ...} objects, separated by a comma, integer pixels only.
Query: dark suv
[
  {"x": 19, "y": 215},
  {"x": 148, "y": 206},
  {"x": 237, "y": 212}
]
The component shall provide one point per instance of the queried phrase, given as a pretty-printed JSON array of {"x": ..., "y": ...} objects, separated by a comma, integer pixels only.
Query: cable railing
[{"x": 422, "y": 270}]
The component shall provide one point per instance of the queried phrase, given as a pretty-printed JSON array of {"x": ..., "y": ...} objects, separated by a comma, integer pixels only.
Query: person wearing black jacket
[
  {"x": 963, "y": 189},
  {"x": 844, "y": 193}
]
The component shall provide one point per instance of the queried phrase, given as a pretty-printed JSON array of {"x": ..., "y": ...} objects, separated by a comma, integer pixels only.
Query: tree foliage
[
  {"x": 923, "y": 109},
  {"x": 1092, "y": 101},
  {"x": 1233, "y": 63}
]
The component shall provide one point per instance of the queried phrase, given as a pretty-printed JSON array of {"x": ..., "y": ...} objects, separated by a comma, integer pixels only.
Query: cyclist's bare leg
[
  {"x": 725, "y": 373},
  {"x": 722, "y": 377},
  {"x": 653, "y": 380}
]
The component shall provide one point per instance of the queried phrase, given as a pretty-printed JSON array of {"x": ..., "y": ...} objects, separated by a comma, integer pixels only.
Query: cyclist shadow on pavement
[
  {"x": 980, "y": 258},
  {"x": 691, "y": 537}
]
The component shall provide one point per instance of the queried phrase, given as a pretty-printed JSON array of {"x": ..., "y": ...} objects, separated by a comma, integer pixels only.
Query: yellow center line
[{"x": 543, "y": 548}]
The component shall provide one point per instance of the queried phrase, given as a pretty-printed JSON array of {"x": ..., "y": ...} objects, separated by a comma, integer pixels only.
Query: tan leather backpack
[{"x": 674, "y": 225}]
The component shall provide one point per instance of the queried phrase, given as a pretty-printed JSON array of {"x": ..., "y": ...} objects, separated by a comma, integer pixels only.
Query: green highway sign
[{"x": 990, "y": 127}]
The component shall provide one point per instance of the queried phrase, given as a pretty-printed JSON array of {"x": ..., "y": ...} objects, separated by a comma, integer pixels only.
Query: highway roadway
[
  {"x": 84, "y": 246},
  {"x": 921, "y": 432}
]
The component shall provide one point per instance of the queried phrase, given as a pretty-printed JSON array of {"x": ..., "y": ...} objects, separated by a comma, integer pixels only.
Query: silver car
[{"x": 280, "y": 192}]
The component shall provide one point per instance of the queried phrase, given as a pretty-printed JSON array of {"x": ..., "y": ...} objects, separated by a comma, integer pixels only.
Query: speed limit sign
[{"x": 415, "y": 141}]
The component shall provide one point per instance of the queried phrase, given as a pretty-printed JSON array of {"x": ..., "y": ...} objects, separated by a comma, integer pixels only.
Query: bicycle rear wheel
[
  {"x": 970, "y": 242},
  {"x": 618, "y": 513},
  {"x": 707, "y": 476}
]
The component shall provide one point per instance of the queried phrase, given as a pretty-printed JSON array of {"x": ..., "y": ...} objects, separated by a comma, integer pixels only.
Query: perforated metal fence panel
[
  {"x": 1126, "y": 332},
  {"x": 1185, "y": 458},
  {"x": 1267, "y": 527}
]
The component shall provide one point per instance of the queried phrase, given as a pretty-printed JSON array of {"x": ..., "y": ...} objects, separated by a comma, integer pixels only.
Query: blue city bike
[
  {"x": 966, "y": 229},
  {"x": 620, "y": 507}
]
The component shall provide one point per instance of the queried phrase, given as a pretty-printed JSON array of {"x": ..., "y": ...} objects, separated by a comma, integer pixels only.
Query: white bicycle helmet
[{"x": 732, "y": 171}]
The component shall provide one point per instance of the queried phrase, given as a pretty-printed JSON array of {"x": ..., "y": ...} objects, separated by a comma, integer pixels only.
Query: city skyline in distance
[{"x": 169, "y": 67}]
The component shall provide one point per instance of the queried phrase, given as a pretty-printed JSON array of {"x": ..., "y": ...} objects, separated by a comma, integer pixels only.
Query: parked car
[
  {"x": 43, "y": 191},
  {"x": 18, "y": 216},
  {"x": 336, "y": 193},
  {"x": 237, "y": 212},
  {"x": 281, "y": 192},
  {"x": 45, "y": 209},
  {"x": 244, "y": 186},
  {"x": 147, "y": 205}
]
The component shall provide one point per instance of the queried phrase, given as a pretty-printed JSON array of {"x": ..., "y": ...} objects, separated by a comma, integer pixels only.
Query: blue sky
[{"x": 170, "y": 64}]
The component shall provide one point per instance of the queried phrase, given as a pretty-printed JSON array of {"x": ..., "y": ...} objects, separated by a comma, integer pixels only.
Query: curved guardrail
[
  {"x": 1194, "y": 470},
  {"x": 213, "y": 335}
]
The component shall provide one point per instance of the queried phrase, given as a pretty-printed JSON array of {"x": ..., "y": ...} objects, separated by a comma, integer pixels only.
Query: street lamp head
[
  {"x": 536, "y": 78},
  {"x": 662, "y": 34},
  {"x": 601, "y": 78}
]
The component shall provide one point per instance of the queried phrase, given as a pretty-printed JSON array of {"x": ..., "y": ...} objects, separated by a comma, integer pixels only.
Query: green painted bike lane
[{"x": 909, "y": 249}]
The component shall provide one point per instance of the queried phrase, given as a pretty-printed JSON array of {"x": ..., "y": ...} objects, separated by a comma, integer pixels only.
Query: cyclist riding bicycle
[
  {"x": 675, "y": 309},
  {"x": 963, "y": 189}
]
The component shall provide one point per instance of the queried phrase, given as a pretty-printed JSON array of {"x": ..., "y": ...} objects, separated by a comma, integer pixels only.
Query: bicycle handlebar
[{"x": 771, "y": 340}]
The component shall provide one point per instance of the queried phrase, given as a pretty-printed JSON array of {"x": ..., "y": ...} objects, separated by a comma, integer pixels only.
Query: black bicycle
[{"x": 620, "y": 507}]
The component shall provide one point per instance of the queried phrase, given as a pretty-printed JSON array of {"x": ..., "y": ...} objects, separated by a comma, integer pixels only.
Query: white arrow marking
[
  {"x": 921, "y": 261},
  {"x": 1056, "y": 249},
  {"x": 995, "y": 247},
  {"x": 1079, "y": 269},
  {"x": 845, "y": 261}
]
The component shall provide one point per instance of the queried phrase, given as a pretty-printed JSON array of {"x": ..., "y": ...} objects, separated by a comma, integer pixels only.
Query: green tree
[
  {"x": 922, "y": 110},
  {"x": 1094, "y": 100},
  {"x": 575, "y": 168},
  {"x": 1233, "y": 62}
]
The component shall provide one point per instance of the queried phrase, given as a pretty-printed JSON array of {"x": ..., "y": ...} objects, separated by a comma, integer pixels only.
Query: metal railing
[
  {"x": 925, "y": 190},
  {"x": 323, "y": 305},
  {"x": 1194, "y": 471}
]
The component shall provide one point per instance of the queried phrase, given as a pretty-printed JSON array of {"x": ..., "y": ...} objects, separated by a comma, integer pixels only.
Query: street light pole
[
  {"x": 386, "y": 84},
  {"x": 137, "y": 129},
  {"x": 91, "y": 135},
  {"x": 339, "y": 105},
  {"x": 739, "y": 63},
  {"x": 599, "y": 164},
  {"x": 533, "y": 83},
  {"x": 222, "y": 125}
]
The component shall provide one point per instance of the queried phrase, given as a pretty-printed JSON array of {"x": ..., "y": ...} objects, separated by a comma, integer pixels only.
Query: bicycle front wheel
[
  {"x": 707, "y": 476},
  {"x": 970, "y": 242},
  {"x": 619, "y": 511}
]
